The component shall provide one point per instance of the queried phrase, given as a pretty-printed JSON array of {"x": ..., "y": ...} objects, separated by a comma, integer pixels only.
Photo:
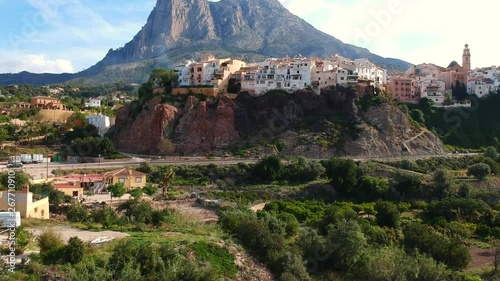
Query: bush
[
  {"x": 370, "y": 189},
  {"x": 387, "y": 214},
  {"x": 77, "y": 213},
  {"x": 269, "y": 169},
  {"x": 491, "y": 152},
  {"x": 51, "y": 247},
  {"x": 150, "y": 189},
  {"x": 49, "y": 240},
  {"x": 408, "y": 185},
  {"x": 348, "y": 244},
  {"x": 342, "y": 174},
  {"x": 470, "y": 210},
  {"x": 137, "y": 211},
  {"x": 23, "y": 238},
  {"x": 136, "y": 193},
  {"x": 480, "y": 171},
  {"x": 392, "y": 263},
  {"x": 106, "y": 216},
  {"x": 74, "y": 251},
  {"x": 453, "y": 253},
  {"x": 483, "y": 231},
  {"x": 302, "y": 170}
]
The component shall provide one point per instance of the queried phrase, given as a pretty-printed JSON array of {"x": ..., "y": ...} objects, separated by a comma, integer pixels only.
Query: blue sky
[{"x": 71, "y": 35}]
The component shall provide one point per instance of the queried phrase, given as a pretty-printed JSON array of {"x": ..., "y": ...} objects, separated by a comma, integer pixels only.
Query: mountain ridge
[{"x": 177, "y": 30}]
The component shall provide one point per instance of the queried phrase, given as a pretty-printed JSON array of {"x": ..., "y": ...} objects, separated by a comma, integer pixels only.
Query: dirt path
[
  {"x": 189, "y": 209},
  {"x": 67, "y": 232},
  {"x": 481, "y": 257},
  {"x": 258, "y": 207}
]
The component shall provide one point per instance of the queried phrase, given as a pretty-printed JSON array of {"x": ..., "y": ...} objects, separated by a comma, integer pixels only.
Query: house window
[
  {"x": 138, "y": 180},
  {"x": 122, "y": 180}
]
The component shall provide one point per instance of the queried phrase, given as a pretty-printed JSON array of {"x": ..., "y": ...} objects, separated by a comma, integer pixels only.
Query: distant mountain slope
[
  {"x": 34, "y": 79},
  {"x": 248, "y": 29}
]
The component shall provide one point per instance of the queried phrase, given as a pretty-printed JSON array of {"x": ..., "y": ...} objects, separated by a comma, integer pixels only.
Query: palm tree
[{"x": 166, "y": 179}]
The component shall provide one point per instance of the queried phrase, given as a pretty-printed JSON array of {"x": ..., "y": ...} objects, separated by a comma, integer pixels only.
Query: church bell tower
[{"x": 466, "y": 59}]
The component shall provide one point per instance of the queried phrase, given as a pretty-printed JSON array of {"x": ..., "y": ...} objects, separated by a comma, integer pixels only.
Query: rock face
[
  {"x": 146, "y": 133},
  {"x": 388, "y": 131},
  {"x": 200, "y": 126},
  {"x": 307, "y": 124},
  {"x": 205, "y": 126},
  {"x": 181, "y": 29}
]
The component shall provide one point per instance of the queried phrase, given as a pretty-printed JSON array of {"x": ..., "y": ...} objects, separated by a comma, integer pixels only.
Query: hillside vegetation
[{"x": 329, "y": 220}]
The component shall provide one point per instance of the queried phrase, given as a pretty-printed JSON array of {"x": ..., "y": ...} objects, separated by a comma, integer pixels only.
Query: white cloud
[
  {"x": 416, "y": 31},
  {"x": 35, "y": 64},
  {"x": 79, "y": 34}
]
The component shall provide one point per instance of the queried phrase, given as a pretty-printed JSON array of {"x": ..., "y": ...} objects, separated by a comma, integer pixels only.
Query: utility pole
[{"x": 47, "y": 168}]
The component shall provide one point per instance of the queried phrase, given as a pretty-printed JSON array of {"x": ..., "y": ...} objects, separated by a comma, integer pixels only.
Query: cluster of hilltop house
[
  {"x": 436, "y": 83},
  {"x": 213, "y": 75},
  {"x": 287, "y": 73}
]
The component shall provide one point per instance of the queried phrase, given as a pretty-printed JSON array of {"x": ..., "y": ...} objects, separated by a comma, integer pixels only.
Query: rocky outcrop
[
  {"x": 206, "y": 125},
  {"x": 386, "y": 130},
  {"x": 200, "y": 126},
  {"x": 145, "y": 132},
  {"x": 304, "y": 124}
]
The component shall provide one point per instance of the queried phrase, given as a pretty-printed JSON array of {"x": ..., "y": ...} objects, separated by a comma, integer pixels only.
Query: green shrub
[
  {"x": 77, "y": 213},
  {"x": 49, "y": 240},
  {"x": 480, "y": 171},
  {"x": 74, "y": 251},
  {"x": 387, "y": 214},
  {"x": 269, "y": 169},
  {"x": 302, "y": 170}
]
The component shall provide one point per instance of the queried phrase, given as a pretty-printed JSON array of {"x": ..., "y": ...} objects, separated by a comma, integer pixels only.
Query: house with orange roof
[
  {"x": 46, "y": 103},
  {"x": 73, "y": 190},
  {"x": 130, "y": 178}
]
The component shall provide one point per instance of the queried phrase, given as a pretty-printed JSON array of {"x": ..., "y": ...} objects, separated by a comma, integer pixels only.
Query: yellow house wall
[
  {"x": 39, "y": 209},
  {"x": 130, "y": 182},
  {"x": 69, "y": 191},
  {"x": 26, "y": 210}
]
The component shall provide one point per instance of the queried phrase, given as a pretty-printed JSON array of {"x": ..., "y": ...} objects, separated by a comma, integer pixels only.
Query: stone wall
[{"x": 209, "y": 92}]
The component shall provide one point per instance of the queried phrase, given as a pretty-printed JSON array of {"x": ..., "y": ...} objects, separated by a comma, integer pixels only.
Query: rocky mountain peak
[
  {"x": 250, "y": 30},
  {"x": 172, "y": 20}
]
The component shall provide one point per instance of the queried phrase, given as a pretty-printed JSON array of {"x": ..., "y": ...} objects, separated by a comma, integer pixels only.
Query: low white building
[
  {"x": 481, "y": 87},
  {"x": 288, "y": 74},
  {"x": 101, "y": 122},
  {"x": 94, "y": 102},
  {"x": 435, "y": 93}
]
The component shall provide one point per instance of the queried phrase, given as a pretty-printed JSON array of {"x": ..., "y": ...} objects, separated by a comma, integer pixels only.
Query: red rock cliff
[{"x": 165, "y": 129}]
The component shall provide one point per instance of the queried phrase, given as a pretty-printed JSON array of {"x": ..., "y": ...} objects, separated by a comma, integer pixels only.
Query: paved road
[{"x": 39, "y": 171}]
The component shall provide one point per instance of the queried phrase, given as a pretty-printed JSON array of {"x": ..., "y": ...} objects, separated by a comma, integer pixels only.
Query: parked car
[{"x": 15, "y": 165}]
